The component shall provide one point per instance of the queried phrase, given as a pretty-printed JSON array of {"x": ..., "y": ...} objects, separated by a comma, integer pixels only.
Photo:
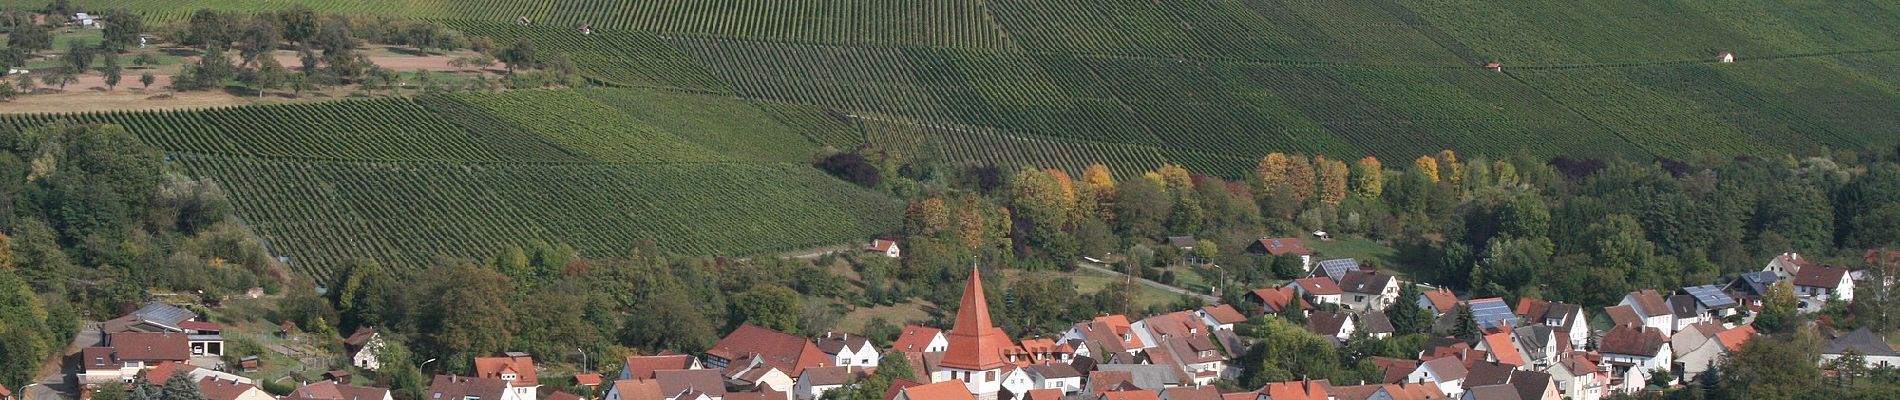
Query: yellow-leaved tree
[
  {"x": 1368, "y": 178},
  {"x": 1299, "y": 178},
  {"x": 1332, "y": 180},
  {"x": 1428, "y": 167}
]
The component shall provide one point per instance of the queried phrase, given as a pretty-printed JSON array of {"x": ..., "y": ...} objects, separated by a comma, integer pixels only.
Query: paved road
[{"x": 1157, "y": 285}]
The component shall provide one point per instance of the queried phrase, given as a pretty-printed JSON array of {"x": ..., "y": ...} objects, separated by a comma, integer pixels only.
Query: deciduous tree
[
  {"x": 768, "y": 306},
  {"x": 1426, "y": 166},
  {"x": 1368, "y": 178},
  {"x": 1331, "y": 177}
]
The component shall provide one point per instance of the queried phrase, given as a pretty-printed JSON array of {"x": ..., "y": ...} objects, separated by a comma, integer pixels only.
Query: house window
[
  {"x": 1358, "y": 298},
  {"x": 989, "y": 376},
  {"x": 846, "y": 361}
]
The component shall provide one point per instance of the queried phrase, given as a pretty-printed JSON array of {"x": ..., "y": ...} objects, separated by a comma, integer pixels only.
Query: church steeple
[{"x": 975, "y": 342}]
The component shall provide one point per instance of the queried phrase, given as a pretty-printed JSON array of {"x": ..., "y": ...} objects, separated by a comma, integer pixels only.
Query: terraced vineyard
[{"x": 739, "y": 93}]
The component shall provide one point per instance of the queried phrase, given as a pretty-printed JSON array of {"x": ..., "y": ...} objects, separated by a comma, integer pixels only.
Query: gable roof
[
  {"x": 1487, "y": 374},
  {"x": 164, "y": 314},
  {"x": 1102, "y": 381},
  {"x": 1182, "y": 241},
  {"x": 1395, "y": 369},
  {"x": 1493, "y": 392},
  {"x": 633, "y": 389},
  {"x": 1129, "y": 395},
  {"x": 881, "y": 245},
  {"x": 700, "y": 380},
  {"x": 1632, "y": 340},
  {"x": 149, "y": 346},
  {"x": 1710, "y": 296},
  {"x": 1053, "y": 371},
  {"x": 946, "y": 390},
  {"x": 1733, "y": 339},
  {"x": 1224, "y": 313},
  {"x": 562, "y": 395},
  {"x": 833, "y": 343},
  {"x": 1318, "y": 286},
  {"x": 1753, "y": 283},
  {"x": 451, "y": 387},
  {"x": 1501, "y": 346},
  {"x": 519, "y": 364},
  {"x": 831, "y": 376},
  {"x": 1532, "y": 309},
  {"x": 1280, "y": 246},
  {"x": 642, "y": 367},
  {"x": 1446, "y": 368},
  {"x": 1336, "y": 269},
  {"x": 1047, "y": 394},
  {"x": 215, "y": 389},
  {"x": 1860, "y": 340},
  {"x": 1442, "y": 299},
  {"x": 330, "y": 390},
  {"x": 1623, "y": 315},
  {"x": 1491, "y": 312},
  {"x": 1328, "y": 323},
  {"x": 1571, "y": 314},
  {"x": 1374, "y": 322},
  {"x": 1683, "y": 306},
  {"x": 781, "y": 350},
  {"x": 1365, "y": 282},
  {"x": 587, "y": 379},
  {"x": 1144, "y": 376},
  {"x": 360, "y": 338},
  {"x": 1276, "y": 299},
  {"x": 915, "y": 338},
  {"x": 1826, "y": 276},
  {"x": 1648, "y": 303},
  {"x": 1191, "y": 393}
]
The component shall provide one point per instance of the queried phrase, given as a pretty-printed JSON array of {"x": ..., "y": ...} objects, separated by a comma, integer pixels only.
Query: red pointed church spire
[{"x": 975, "y": 343}]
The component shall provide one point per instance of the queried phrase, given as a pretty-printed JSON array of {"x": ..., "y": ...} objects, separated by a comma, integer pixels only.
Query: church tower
[{"x": 975, "y": 355}]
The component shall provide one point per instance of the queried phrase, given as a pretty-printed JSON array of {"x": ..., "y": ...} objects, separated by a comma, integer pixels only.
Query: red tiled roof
[
  {"x": 781, "y": 350},
  {"x": 642, "y": 367},
  {"x": 1532, "y": 309},
  {"x": 1283, "y": 246},
  {"x": 1288, "y": 390},
  {"x": 1733, "y": 339},
  {"x": 1649, "y": 303},
  {"x": 1633, "y": 341},
  {"x": 639, "y": 389},
  {"x": 1623, "y": 315},
  {"x": 164, "y": 371},
  {"x": 946, "y": 390},
  {"x": 1130, "y": 395},
  {"x": 881, "y": 245},
  {"x": 494, "y": 367},
  {"x": 914, "y": 338},
  {"x": 898, "y": 386},
  {"x": 1318, "y": 286},
  {"x": 1442, "y": 299},
  {"x": 1500, "y": 345},
  {"x": 214, "y": 389},
  {"x": 330, "y": 390},
  {"x": 1275, "y": 299},
  {"x": 1046, "y": 394},
  {"x": 142, "y": 346},
  {"x": 360, "y": 337},
  {"x": 1395, "y": 369},
  {"x": 1224, "y": 314},
  {"x": 587, "y": 379},
  {"x": 1826, "y": 276}
]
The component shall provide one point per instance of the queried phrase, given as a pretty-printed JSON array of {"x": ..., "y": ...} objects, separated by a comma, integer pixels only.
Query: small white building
[
  {"x": 1447, "y": 372},
  {"x": 848, "y": 350},
  {"x": 363, "y": 346},
  {"x": 887, "y": 247},
  {"x": 1725, "y": 57},
  {"x": 1864, "y": 342},
  {"x": 85, "y": 20},
  {"x": 814, "y": 382}
]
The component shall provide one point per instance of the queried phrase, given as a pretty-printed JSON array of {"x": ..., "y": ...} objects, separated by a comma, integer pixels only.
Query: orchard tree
[
  {"x": 522, "y": 55},
  {"x": 30, "y": 37},
  {"x": 112, "y": 71},
  {"x": 146, "y": 80},
  {"x": 122, "y": 29}
]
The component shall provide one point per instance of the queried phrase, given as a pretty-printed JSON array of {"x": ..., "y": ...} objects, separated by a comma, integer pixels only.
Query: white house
[
  {"x": 1337, "y": 325},
  {"x": 1824, "y": 282},
  {"x": 814, "y": 382},
  {"x": 1725, "y": 57},
  {"x": 1056, "y": 376},
  {"x": 514, "y": 368},
  {"x": 330, "y": 390},
  {"x": 887, "y": 247},
  {"x": 473, "y": 388},
  {"x": 1628, "y": 349},
  {"x": 1652, "y": 308},
  {"x": 1786, "y": 265},
  {"x": 363, "y": 346},
  {"x": 1870, "y": 346},
  {"x": 221, "y": 389},
  {"x": 1368, "y": 290},
  {"x": 1447, "y": 372},
  {"x": 85, "y": 20},
  {"x": 920, "y": 339},
  {"x": 1221, "y": 317},
  {"x": 1317, "y": 290},
  {"x": 848, "y": 350},
  {"x": 1017, "y": 380},
  {"x": 1579, "y": 379}
]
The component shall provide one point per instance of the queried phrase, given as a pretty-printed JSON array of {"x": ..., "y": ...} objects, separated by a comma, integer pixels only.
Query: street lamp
[
  {"x": 1223, "y": 280},
  {"x": 424, "y": 363},
  {"x": 583, "y": 358},
  {"x": 26, "y": 392}
]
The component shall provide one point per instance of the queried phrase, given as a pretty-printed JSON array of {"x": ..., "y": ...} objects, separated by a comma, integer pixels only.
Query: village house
[
  {"x": 1711, "y": 301},
  {"x": 781, "y": 350},
  {"x": 1501, "y": 347},
  {"x": 451, "y": 387},
  {"x": 129, "y": 352},
  {"x": 1283, "y": 246},
  {"x": 643, "y": 367},
  {"x": 946, "y": 390},
  {"x": 514, "y": 368},
  {"x": 363, "y": 346},
  {"x": 1652, "y": 308},
  {"x": 1568, "y": 322},
  {"x": 1751, "y": 286},
  {"x": 1374, "y": 324},
  {"x": 1190, "y": 393},
  {"x": 1220, "y": 317},
  {"x": 1336, "y": 269},
  {"x": 1055, "y": 376},
  {"x": 1538, "y": 345},
  {"x": 1134, "y": 377},
  {"x": 1578, "y": 377},
  {"x": 1317, "y": 290},
  {"x": 1634, "y": 351},
  {"x": 1274, "y": 300},
  {"x": 1822, "y": 283},
  {"x": 202, "y": 338},
  {"x": 1447, "y": 372},
  {"x": 1335, "y": 325},
  {"x": 1106, "y": 337},
  {"x": 847, "y": 350},
  {"x": 330, "y": 390},
  {"x": 1684, "y": 311},
  {"x": 1369, "y": 290},
  {"x": 1439, "y": 301},
  {"x": 1870, "y": 346},
  {"x": 1490, "y": 313},
  {"x": 1313, "y": 390},
  {"x": 1041, "y": 350},
  {"x": 1786, "y": 265},
  {"x": 920, "y": 339},
  {"x": 817, "y": 380},
  {"x": 1698, "y": 347},
  {"x": 217, "y": 389},
  {"x": 1129, "y": 395},
  {"x": 885, "y": 246}
]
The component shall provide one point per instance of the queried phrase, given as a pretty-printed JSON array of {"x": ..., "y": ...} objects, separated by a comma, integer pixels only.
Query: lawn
[{"x": 1362, "y": 249}]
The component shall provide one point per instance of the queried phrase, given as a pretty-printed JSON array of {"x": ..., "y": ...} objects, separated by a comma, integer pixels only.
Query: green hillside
[
  {"x": 403, "y": 181},
  {"x": 740, "y": 93}
]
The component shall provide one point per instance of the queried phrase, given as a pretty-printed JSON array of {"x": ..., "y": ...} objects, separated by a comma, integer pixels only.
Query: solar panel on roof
[
  {"x": 1491, "y": 313},
  {"x": 1338, "y": 267},
  {"x": 1710, "y": 296}
]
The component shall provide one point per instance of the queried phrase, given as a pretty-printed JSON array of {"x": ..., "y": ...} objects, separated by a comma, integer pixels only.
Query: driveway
[{"x": 1171, "y": 289}]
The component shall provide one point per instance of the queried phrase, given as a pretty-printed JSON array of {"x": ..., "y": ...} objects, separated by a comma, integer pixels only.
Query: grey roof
[
  {"x": 1754, "y": 283},
  {"x": 1860, "y": 340},
  {"x": 1147, "y": 377},
  {"x": 1491, "y": 312},
  {"x": 1182, "y": 241},
  {"x": 1530, "y": 384},
  {"x": 1327, "y": 323},
  {"x": 1375, "y": 322},
  {"x": 1337, "y": 268},
  {"x": 1569, "y": 313},
  {"x": 1485, "y": 373},
  {"x": 1711, "y": 296},
  {"x": 1053, "y": 371},
  {"x": 1682, "y": 305},
  {"x": 164, "y": 314},
  {"x": 1493, "y": 392},
  {"x": 1447, "y": 368},
  {"x": 1366, "y": 282},
  {"x": 1534, "y": 338}
]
